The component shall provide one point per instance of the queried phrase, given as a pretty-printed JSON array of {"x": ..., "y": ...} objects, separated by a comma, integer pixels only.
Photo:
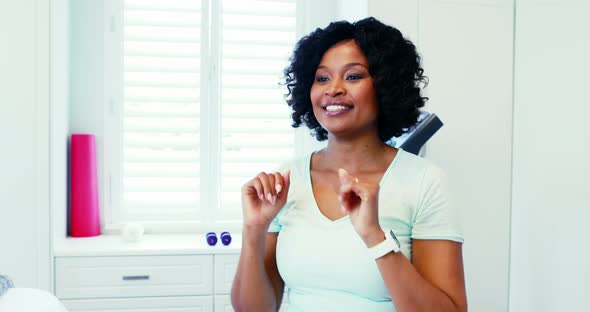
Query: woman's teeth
[{"x": 333, "y": 108}]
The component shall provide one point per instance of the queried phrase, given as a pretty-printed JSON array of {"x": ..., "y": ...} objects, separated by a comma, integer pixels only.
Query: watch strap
[{"x": 390, "y": 244}]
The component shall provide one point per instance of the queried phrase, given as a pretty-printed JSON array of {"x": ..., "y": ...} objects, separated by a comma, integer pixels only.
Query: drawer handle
[{"x": 136, "y": 277}]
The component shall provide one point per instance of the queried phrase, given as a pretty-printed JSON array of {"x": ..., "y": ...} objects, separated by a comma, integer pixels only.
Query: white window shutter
[
  {"x": 256, "y": 41},
  {"x": 166, "y": 114},
  {"x": 162, "y": 82}
]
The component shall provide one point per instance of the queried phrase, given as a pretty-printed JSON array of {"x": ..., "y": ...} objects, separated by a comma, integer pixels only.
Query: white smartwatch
[{"x": 390, "y": 244}]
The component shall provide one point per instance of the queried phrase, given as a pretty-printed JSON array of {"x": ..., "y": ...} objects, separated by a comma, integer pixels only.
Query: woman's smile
[{"x": 336, "y": 108}]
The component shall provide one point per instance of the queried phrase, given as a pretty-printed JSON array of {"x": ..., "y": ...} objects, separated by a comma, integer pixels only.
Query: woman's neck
[{"x": 361, "y": 154}]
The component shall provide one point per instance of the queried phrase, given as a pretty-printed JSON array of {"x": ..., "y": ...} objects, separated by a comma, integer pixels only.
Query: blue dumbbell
[
  {"x": 225, "y": 238},
  {"x": 211, "y": 239}
]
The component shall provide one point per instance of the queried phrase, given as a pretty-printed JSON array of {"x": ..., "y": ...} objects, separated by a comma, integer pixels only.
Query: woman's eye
[
  {"x": 353, "y": 77},
  {"x": 321, "y": 79}
]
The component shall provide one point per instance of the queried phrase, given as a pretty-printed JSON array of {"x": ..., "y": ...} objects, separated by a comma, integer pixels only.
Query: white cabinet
[
  {"x": 223, "y": 304},
  {"x": 152, "y": 304},
  {"x": 137, "y": 276},
  {"x": 225, "y": 269},
  {"x": 146, "y": 283}
]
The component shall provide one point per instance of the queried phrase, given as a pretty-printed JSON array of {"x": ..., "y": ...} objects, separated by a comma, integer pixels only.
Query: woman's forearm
[
  {"x": 409, "y": 290},
  {"x": 252, "y": 289}
]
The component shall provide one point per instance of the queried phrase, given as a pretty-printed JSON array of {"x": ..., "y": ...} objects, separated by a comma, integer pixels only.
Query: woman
[{"x": 332, "y": 226}]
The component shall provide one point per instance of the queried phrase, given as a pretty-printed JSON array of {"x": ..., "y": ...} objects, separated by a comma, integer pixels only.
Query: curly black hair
[{"x": 394, "y": 65}]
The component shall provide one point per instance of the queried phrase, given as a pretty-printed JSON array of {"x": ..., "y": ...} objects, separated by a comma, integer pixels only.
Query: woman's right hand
[{"x": 263, "y": 197}]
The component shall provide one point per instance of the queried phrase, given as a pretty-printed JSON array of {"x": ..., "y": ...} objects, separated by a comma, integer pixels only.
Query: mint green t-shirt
[{"x": 325, "y": 264}]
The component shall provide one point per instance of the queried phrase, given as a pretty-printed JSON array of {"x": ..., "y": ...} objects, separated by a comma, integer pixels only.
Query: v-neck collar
[{"x": 309, "y": 186}]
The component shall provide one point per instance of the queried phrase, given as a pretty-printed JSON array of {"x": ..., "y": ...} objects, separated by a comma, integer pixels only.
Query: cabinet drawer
[
  {"x": 223, "y": 304},
  {"x": 133, "y": 276},
  {"x": 153, "y": 304},
  {"x": 225, "y": 271}
]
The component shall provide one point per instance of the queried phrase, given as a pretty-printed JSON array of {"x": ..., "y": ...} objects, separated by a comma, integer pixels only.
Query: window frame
[{"x": 210, "y": 122}]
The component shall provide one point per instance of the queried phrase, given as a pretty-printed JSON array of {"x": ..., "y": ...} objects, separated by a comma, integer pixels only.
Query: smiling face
[{"x": 343, "y": 94}]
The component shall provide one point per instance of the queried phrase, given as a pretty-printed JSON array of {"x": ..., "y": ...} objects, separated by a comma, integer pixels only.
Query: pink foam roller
[{"x": 84, "y": 214}]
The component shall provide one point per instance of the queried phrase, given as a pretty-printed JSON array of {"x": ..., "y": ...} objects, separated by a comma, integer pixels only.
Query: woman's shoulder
[
  {"x": 297, "y": 165},
  {"x": 295, "y": 162},
  {"x": 411, "y": 165}
]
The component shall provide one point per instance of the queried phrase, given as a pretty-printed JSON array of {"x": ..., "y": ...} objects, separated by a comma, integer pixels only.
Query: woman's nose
[{"x": 335, "y": 88}]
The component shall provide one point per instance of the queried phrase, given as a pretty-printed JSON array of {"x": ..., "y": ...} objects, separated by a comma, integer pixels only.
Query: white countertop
[{"x": 160, "y": 244}]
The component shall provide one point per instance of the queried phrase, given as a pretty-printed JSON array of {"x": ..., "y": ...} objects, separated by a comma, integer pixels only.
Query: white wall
[
  {"x": 24, "y": 135},
  {"x": 402, "y": 15},
  {"x": 467, "y": 50},
  {"x": 550, "y": 257},
  {"x": 467, "y": 55},
  {"x": 87, "y": 68},
  {"x": 352, "y": 10},
  {"x": 86, "y": 87},
  {"x": 59, "y": 114}
]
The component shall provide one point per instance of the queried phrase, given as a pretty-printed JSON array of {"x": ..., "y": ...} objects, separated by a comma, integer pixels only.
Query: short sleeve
[
  {"x": 436, "y": 216},
  {"x": 275, "y": 225}
]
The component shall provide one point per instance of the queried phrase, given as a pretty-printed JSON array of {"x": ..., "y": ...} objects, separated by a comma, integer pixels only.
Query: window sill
[{"x": 152, "y": 244}]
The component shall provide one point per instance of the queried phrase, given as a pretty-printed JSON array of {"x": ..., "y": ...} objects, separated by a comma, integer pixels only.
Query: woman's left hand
[{"x": 359, "y": 199}]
